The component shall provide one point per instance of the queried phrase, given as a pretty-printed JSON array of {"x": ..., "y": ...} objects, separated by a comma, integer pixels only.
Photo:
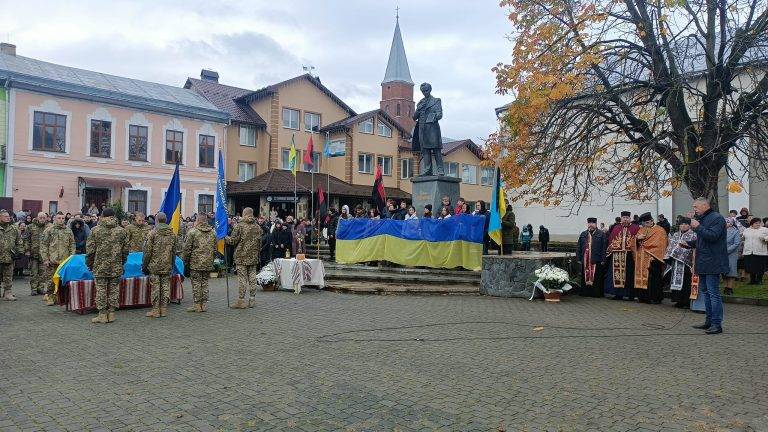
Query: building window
[
  {"x": 53, "y": 207},
  {"x": 207, "y": 144},
  {"x": 469, "y": 174},
  {"x": 138, "y": 137},
  {"x": 385, "y": 162},
  {"x": 451, "y": 169},
  {"x": 487, "y": 176},
  {"x": 398, "y": 110},
  {"x": 315, "y": 163},
  {"x": 311, "y": 122},
  {"x": 364, "y": 163},
  {"x": 290, "y": 118},
  {"x": 247, "y": 136},
  {"x": 137, "y": 201},
  {"x": 174, "y": 145},
  {"x": 49, "y": 132},
  {"x": 101, "y": 138},
  {"x": 246, "y": 171},
  {"x": 205, "y": 204},
  {"x": 285, "y": 158},
  {"x": 366, "y": 126},
  {"x": 385, "y": 130},
  {"x": 406, "y": 168}
]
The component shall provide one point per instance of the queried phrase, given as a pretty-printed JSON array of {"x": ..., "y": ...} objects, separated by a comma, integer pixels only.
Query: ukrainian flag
[
  {"x": 171, "y": 205},
  {"x": 221, "y": 206},
  {"x": 292, "y": 159},
  {"x": 498, "y": 210},
  {"x": 448, "y": 243}
]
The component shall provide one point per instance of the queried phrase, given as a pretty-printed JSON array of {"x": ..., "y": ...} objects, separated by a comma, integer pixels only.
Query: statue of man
[{"x": 426, "y": 133}]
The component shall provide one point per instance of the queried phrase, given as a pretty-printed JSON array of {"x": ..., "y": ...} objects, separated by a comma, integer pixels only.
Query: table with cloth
[
  {"x": 75, "y": 287},
  {"x": 292, "y": 274}
]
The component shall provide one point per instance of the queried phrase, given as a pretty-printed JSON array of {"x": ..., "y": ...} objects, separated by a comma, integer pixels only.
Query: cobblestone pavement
[{"x": 327, "y": 361}]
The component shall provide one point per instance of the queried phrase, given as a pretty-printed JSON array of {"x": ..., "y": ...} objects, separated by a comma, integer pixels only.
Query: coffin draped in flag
[
  {"x": 448, "y": 243},
  {"x": 75, "y": 269}
]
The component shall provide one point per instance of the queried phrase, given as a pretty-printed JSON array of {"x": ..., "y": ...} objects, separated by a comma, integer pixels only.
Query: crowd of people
[{"x": 635, "y": 258}]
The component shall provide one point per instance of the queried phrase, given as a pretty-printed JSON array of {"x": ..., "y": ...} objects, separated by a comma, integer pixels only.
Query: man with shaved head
[{"x": 36, "y": 267}]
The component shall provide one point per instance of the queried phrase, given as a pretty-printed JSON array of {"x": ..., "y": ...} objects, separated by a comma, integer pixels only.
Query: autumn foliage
[{"x": 631, "y": 98}]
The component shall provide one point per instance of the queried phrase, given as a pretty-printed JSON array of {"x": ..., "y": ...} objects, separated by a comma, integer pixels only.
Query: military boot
[
  {"x": 194, "y": 308},
  {"x": 101, "y": 319},
  {"x": 163, "y": 312},
  {"x": 203, "y": 307},
  {"x": 9, "y": 297},
  {"x": 251, "y": 302},
  {"x": 154, "y": 313},
  {"x": 111, "y": 316},
  {"x": 239, "y": 304}
]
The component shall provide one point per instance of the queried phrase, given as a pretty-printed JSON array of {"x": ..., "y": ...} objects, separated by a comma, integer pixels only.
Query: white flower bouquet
[
  {"x": 267, "y": 276},
  {"x": 551, "y": 280}
]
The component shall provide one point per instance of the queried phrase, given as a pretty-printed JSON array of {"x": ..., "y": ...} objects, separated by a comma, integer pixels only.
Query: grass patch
[{"x": 743, "y": 289}]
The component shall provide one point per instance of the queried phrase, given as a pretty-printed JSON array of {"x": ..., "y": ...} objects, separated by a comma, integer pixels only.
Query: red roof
[{"x": 226, "y": 98}]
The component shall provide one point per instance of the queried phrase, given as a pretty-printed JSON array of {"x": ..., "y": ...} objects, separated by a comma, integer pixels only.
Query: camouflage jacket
[
  {"x": 106, "y": 248},
  {"x": 160, "y": 250},
  {"x": 36, "y": 230},
  {"x": 10, "y": 242},
  {"x": 200, "y": 248},
  {"x": 246, "y": 238},
  {"x": 57, "y": 244},
  {"x": 137, "y": 235}
]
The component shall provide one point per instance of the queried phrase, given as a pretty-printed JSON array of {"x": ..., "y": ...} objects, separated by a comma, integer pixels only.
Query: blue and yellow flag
[
  {"x": 171, "y": 205},
  {"x": 292, "y": 159},
  {"x": 448, "y": 243},
  {"x": 498, "y": 209},
  {"x": 221, "y": 206}
]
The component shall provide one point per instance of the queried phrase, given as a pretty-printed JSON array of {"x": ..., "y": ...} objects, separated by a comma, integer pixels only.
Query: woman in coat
[
  {"x": 526, "y": 235},
  {"x": 755, "y": 250},
  {"x": 733, "y": 243}
]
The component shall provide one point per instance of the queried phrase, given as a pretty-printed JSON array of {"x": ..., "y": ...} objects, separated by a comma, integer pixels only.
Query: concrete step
[
  {"x": 421, "y": 279},
  {"x": 394, "y": 269},
  {"x": 385, "y": 288}
]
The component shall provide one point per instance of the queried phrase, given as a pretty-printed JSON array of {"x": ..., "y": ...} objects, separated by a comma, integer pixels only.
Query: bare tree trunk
[{"x": 703, "y": 181}]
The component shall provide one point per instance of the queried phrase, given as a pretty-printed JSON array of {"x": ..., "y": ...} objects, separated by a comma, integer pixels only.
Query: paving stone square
[{"x": 323, "y": 361}]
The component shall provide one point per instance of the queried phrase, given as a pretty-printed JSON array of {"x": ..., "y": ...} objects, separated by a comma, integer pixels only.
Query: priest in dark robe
[
  {"x": 679, "y": 259},
  {"x": 591, "y": 255},
  {"x": 649, "y": 260},
  {"x": 621, "y": 258}
]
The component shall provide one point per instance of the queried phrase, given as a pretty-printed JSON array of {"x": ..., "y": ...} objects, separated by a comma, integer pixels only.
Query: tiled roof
[
  {"x": 351, "y": 121},
  {"x": 277, "y": 181},
  {"x": 31, "y": 74},
  {"x": 225, "y": 98},
  {"x": 269, "y": 90}
]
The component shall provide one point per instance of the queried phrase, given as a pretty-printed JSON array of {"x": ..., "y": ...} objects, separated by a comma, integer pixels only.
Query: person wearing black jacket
[
  {"x": 333, "y": 224},
  {"x": 543, "y": 238},
  {"x": 281, "y": 240},
  {"x": 591, "y": 255}
]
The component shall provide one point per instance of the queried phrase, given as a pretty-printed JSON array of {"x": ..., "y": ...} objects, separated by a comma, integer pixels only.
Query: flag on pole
[
  {"x": 292, "y": 162},
  {"x": 322, "y": 205},
  {"x": 309, "y": 160},
  {"x": 222, "y": 218},
  {"x": 171, "y": 205},
  {"x": 498, "y": 210},
  {"x": 333, "y": 149},
  {"x": 378, "y": 195}
]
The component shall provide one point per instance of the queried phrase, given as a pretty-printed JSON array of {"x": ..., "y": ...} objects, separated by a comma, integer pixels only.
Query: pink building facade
[{"x": 118, "y": 140}]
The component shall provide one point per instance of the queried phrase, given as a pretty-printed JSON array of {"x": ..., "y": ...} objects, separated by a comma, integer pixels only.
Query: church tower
[{"x": 397, "y": 86}]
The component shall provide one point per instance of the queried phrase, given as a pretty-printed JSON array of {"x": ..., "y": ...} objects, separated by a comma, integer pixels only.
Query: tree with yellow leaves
[{"x": 632, "y": 97}]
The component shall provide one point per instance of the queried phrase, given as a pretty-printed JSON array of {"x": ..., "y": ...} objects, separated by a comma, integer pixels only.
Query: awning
[{"x": 92, "y": 182}]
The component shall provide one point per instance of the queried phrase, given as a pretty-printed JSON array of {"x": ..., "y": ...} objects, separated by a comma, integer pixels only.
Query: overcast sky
[{"x": 451, "y": 43}]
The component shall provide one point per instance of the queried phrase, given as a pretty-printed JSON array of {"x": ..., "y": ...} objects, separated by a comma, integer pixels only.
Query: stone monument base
[
  {"x": 512, "y": 275},
  {"x": 431, "y": 190}
]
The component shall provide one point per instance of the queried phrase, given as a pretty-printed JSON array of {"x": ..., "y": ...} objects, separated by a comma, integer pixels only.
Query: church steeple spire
[{"x": 397, "y": 67}]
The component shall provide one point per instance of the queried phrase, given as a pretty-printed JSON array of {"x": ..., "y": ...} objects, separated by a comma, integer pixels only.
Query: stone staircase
[{"x": 374, "y": 279}]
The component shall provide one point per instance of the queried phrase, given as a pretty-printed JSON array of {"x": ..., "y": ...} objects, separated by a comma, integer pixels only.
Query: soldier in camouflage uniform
[
  {"x": 246, "y": 238},
  {"x": 10, "y": 245},
  {"x": 36, "y": 268},
  {"x": 106, "y": 250},
  {"x": 159, "y": 256},
  {"x": 137, "y": 233},
  {"x": 56, "y": 244},
  {"x": 198, "y": 254}
]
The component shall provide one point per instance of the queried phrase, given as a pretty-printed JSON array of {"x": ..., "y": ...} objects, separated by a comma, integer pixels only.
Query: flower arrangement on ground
[
  {"x": 552, "y": 281},
  {"x": 267, "y": 277}
]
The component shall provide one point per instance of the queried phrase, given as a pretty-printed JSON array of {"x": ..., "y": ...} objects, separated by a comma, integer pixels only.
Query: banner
[{"x": 447, "y": 243}]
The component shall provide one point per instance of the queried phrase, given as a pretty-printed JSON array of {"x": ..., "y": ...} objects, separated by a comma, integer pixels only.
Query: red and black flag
[
  {"x": 378, "y": 196},
  {"x": 322, "y": 205}
]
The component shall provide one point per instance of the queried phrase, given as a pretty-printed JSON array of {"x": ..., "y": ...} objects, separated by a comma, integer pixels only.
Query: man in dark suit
[{"x": 591, "y": 255}]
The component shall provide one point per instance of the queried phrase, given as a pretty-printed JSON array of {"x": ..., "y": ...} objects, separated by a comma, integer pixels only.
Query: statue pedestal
[
  {"x": 512, "y": 275},
  {"x": 431, "y": 190}
]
